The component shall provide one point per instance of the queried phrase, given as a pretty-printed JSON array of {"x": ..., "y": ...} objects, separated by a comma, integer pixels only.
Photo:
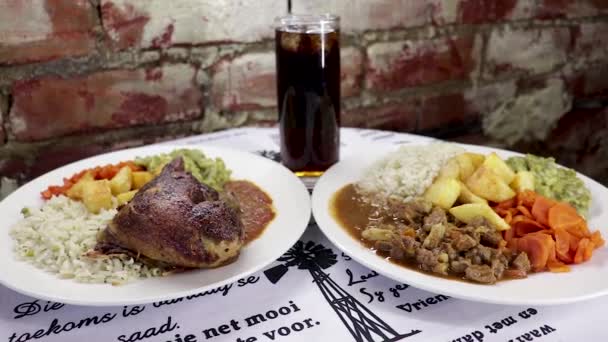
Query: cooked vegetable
[
  {"x": 554, "y": 181},
  {"x": 476, "y": 158},
  {"x": 212, "y": 172},
  {"x": 140, "y": 178},
  {"x": 467, "y": 196},
  {"x": 499, "y": 167},
  {"x": 443, "y": 192},
  {"x": 467, "y": 213},
  {"x": 75, "y": 192},
  {"x": 99, "y": 172},
  {"x": 487, "y": 184},
  {"x": 125, "y": 197},
  {"x": 122, "y": 181},
  {"x": 97, "y": 195},
  {"x": 524, "y": 180},
  {"x": 466, "y": 165},
  {"x": 552, "y": 233}
]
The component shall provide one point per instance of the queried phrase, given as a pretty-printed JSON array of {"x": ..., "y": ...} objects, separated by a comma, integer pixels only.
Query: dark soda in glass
[{"x": 308, "y": 89}]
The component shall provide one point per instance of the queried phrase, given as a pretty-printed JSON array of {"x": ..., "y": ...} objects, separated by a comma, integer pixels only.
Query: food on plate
[
  {"x": 187, "y": 218},
  {"x": 121, "y": 222},
  {"x": 554, "y": 181},
  {"x": 212, "y": 172},
  {"x": 440, "y": 209}
]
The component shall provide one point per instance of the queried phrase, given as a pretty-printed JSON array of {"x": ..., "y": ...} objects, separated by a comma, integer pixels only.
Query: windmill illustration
[{"x": 361, "y": 322}]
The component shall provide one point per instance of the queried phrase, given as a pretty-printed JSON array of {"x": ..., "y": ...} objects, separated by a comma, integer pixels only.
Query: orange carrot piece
[
  {"x": 564, "y": 216},
  {"x": 508, "y": 235},
  {"x": 597, "y": 239},
  {"x": 562, "y": 245},
  {"x": 557, "y": 267},
  {"x": 580, "y": 251},
  {"x": 588, "y": 251},
  {"x": 508, "y": 217},
  {"x": 510, "y": 203},
  {"x": 540, "y": 209},
  {"x": 526, "y": 226},
  {"x": 539, "y": 248},
  {"x": 525, "y": 211},
  {"x": 526, "y": 198}
]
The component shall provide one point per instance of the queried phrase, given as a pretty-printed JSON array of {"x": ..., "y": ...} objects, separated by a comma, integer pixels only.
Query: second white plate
[{"x": 585, "y": 281}]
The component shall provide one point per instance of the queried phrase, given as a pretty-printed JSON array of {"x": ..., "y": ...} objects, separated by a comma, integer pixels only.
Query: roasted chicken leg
[{"x": 177, "y": 220}]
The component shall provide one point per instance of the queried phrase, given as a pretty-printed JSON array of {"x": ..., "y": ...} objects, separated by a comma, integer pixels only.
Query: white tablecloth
[{"x": 344, "y": 302}]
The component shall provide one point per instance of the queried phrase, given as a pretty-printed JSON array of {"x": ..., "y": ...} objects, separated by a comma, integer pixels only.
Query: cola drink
[{"x": 308, "y": 89}]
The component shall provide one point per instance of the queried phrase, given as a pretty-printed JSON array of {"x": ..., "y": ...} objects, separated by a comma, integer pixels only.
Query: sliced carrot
[
  {"x": 563, "y": 216},
  {"x": 557, "y": 267},
  {"x": 525, "y": 211},
  {"x": 597, "y": 239},
  {"x": 562, "y": 245},
  {"x": 508, "y": 234},
  {"x": 510, "y": 203},
  {"x": 580, "y": 251},
  {"x": 526, "y": 198},
  {"x": 508, "y": 217},
  {"x": 540, "y": 209},
  {"x": 539, "y": 247},
  {"x": 526, "y": 226}
]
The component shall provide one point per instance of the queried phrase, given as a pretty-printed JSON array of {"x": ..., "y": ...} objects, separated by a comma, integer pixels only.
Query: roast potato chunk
[
  {"x": 75, "y": 192},
  {"x": 499, "y": 167},
  {"x": 97, "y": 195},
  {"x": 476, "y": 158},
  {"x": 524, "y": 180},
  {"x": 140, "y": 178},
  {"x": 451, "y": 169},
  {"x": 468, "y": 212},
  {"x": 122, "y": 181},
  {"x": 488, "y": 185},
  {"x": 466, "y": 166},
  {"x": 467, "y": 196},
  {"x": 125, "y": 197},
  {"x": 443, "y": 192}
]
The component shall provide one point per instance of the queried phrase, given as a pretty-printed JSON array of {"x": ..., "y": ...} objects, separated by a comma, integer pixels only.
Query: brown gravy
[
  {"x": 348, "y": 208},
  {"x": 256, "y": 206}
]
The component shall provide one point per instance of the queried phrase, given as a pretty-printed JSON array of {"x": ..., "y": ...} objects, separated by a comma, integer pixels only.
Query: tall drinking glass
[{"x": 308, "y": 89}]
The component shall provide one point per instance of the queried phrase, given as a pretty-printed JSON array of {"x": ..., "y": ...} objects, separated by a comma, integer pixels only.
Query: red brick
[
  {"x": 591, "y": 43},
  {"x": 441, "y": 111},
  {"x": 351, "y": 65},
  {"x": 485, "y": 99},
  {"x": 246, "y": 82},
  {"x": 161, "y": 23},
  {"x": 526, "y": 51},
  {"x": 395, "y": 65},
  {"x": 50, "y": 107},
  {"x": 400, "y": 116},
  {"x": 3, "y": 110},
  {"x": 552, "y": 9},
  {"x": 13, "y": 167},
  {"x": 32, "y": 30},
  {"x": 590, "y": 83},
  {"x": 482, "y": 11},
  {"x": 362, "y": 15}
]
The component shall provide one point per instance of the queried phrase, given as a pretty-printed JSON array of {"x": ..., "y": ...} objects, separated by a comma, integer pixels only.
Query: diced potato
[
  {"x": 443, "y": 192},
  {"x": 468, "y": 212},
  {"x": 499, "y": 167},
  {"x": 126, "y": 197},
  {"x": 378, "y": 234},
  {"x": 75, "y": 192},
  {"x": 476, "y": 158},
  {"x": 466, "y": 166},
  {"x": 524, "y": 180},
  {"x": 122, "y": 181},
  {"x": 488, "y": 185},
  {"x": 467, "y": 196},
  {"x": 451, "y": 169},
  {"x": 140, "y": 178},
  {"x": 97, "y": 195}
]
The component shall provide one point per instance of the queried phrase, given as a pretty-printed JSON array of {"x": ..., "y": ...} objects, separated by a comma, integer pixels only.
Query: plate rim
[
  {"x": 304, "y": 209},
  {"x": 320, "y": 211}
]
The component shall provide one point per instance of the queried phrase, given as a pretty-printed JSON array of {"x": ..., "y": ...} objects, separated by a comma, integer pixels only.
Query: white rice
[
  {"x": 407, "y": 172},
  {"x": 55, "y": 237}
]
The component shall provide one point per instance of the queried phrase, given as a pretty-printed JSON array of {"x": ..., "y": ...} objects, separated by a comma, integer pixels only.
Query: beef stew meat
[{"x": 430, "y": 239}]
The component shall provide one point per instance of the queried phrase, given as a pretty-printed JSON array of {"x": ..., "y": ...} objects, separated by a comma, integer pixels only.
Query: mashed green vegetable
[
  {"x": 553, "y": 181},
  {"x": 212, "y": 172}
]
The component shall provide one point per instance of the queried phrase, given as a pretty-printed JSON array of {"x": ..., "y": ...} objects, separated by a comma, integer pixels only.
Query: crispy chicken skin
[{"x": 177, "y": 220}]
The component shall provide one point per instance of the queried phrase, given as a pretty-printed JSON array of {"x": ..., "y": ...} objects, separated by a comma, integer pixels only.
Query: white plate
[
  {"x": 583, "y": 282},
  {"x": 289, "y": 195}
]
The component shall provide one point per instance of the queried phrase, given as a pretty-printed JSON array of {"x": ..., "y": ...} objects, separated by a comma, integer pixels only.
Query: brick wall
[{"x": 80, "y": 77}]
